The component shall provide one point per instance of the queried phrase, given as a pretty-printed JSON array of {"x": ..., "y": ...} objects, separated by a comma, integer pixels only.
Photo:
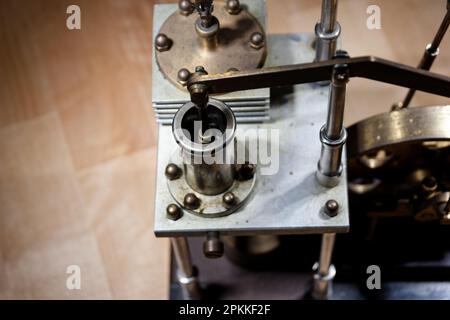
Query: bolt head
[
  {"x": 183, "y": 76},
  {"x": 257, "y": 40},
  {"x": 173, "y": 172},
  {"x": 246, "y": 171},
  {"x": 162, "y": 42},
  {"x": 233, "y": 6},
  {"x": 200, "y": 69},
  {"x": 186, "y": 7},
  {"x": 331, "y": 208},
  {"x": 173, "y": 212},
  {"x": 213, "y": 248},
  {"x": 191, "y": 201},
  {"x": 229, "y": 199}
]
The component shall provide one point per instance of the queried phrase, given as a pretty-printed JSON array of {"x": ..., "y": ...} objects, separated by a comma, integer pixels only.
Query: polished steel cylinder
[
  {"x": 209, "y": 179},
  {"x": 328, "y": 15},
  {"x": 336, "y": 105},
  {"x": 186, "y": 272},
  {"x": 327, "y": 31},
  {"x": 207, "y": 146},
  {"x": 324, "y": 271},
  {"x": 326, "y": 253},
  {"x": 333, "y": 135}
]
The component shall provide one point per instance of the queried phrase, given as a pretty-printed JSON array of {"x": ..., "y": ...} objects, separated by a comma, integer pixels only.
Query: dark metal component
[
  {"x": 229, "y": 199},
  {"x": 191, "y": 201},
  {"x": 331, "y": 208},
  {"x": 429, "y": 184},
  {"x": 183, "y": 76},
  {"x": 430, "y": 54},
  {"x": 447, "y": 206},
  {"x": 173, "y": 212},
  {"x": 173, "y": 171},
  {"x": 186, "y": 7},
  {"x": 205, "y": 9},
  {"x": 162, "y": 42},
  {"x": 233, "y": 6},
  {"x": 213, "y": 246},
  {"x": 257, "y": 40},
  {"x": 246, "y": 171},
  {"x": 366, "y": 67}
]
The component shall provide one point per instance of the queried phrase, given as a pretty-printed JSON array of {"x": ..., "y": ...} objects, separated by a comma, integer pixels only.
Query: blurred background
[{"x": 78, "y": 135}]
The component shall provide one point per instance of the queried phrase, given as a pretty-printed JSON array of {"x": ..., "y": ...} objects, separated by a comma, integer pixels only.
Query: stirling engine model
[{"x": 252, "y": 153}]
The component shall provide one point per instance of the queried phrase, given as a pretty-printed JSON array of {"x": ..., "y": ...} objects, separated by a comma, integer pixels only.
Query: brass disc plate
[{"x": 233, "y": 51}]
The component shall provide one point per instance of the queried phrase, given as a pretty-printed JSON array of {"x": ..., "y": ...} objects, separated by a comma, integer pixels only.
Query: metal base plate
[{"x": 290, "y": 201}]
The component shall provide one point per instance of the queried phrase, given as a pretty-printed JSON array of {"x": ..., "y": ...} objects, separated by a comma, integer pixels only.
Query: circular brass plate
[{"x": 233, "y": 51}]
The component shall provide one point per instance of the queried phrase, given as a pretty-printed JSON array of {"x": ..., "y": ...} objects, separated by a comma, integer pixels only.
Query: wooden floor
[{"x": 78, "y": 136}]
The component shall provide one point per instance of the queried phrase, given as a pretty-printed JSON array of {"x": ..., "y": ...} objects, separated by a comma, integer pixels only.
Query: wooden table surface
[{"x": 78, "y": 135}]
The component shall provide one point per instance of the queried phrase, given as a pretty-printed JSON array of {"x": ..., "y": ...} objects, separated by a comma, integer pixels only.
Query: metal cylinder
[
  {"x": 186, "y": 272},
  {"x": 336, "y": 104},
  {"x": 206, "y": 146},
  {"x": 208, "y": 36},
  {"x": 324, "y": 271},
  {"x": 333, "y": 135},
  {"x": 327, "y": 31},
  {"x": 209, "y": 179},
  {"x": 328, "y": 15}
]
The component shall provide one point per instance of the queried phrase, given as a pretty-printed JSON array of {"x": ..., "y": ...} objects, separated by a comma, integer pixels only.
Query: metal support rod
[
  {"x": 327, "y": 31},
  {"x": 333, "y": 134},
  {"x": 430, "y": 54},
  {"x": 186, "y": 272},
  {"x": 324, "y": 271}
]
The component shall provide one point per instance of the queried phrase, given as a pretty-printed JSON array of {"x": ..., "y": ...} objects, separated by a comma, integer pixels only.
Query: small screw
[
  {"x": 331, "y": 208},
  {"x": 173, "y": 212},
  {"x": 191, "y": 201},
  {"x": 229, "y": 199},
  {"x": 233, "y": 6},
  {"x": 173, "y": 172},
  {"x": 183, "y": 76},
  {"x": 257, "y": 40},
  {"x": 162, "y": 42},
  {"x": 186, "y": 7}
]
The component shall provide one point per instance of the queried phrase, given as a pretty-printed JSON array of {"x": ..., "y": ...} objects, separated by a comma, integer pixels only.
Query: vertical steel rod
[
  {"x": 333, "y": 134},
  {"x": 186, "y": 272},
  {"x": 327, "y": 31},
  {"x": 324, "y": 271}
]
